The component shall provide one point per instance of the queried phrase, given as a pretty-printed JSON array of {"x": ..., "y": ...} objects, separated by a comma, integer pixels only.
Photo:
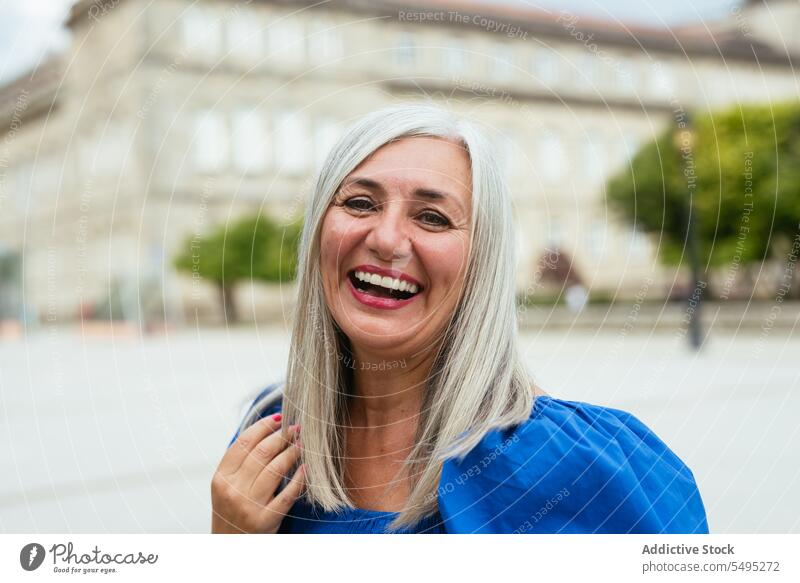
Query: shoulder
[{"x": 572, "y": 467}]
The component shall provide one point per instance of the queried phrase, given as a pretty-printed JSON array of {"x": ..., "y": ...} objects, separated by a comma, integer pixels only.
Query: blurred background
[{"x": 154, "y": 162}]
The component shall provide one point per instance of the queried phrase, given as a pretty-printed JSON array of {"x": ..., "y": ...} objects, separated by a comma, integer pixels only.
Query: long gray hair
[{"x": 477, "y": 383}]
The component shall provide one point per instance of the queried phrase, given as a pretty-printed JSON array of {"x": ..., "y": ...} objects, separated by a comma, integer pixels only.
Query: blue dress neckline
[
  {"x": 303, "y": 518},
  {"x": 390, "y": 514},
  {"x": 572, "y": 467}
]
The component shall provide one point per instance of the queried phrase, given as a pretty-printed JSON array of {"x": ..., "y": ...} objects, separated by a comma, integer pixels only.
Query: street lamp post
[{"x": 684, "y": 138}]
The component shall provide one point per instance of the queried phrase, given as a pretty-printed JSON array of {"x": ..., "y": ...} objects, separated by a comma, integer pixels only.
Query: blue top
[{"x": 571, "y": 467}]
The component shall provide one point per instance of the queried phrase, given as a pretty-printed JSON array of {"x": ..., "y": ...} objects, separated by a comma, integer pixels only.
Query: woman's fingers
[
  {"x": 246, "y": 441},
  {"x": 271, "y": 474},
  {"x": 244, "y": 486},
  {"x": 263, "y": 454},
  {"x": 288, "y": 496}
]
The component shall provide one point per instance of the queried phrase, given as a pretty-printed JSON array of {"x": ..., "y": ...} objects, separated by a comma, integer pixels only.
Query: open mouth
[{"x": 383, "y": 287}]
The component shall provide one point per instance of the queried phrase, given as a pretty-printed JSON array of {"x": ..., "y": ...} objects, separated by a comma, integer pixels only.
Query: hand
[{"x": 243, "y": 488}]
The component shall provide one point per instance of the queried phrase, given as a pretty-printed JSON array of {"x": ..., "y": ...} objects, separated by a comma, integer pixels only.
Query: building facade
[{"x": 166, "y": 118}]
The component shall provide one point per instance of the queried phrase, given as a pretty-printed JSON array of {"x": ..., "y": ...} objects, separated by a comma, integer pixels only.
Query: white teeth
[{"x": 387, "y": 282}]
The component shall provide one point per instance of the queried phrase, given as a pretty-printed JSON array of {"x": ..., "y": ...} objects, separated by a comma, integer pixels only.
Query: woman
[{"x": 404, "y": 377}]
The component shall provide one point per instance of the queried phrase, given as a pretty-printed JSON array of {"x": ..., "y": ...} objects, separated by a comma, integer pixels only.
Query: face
[{"x": 394, "y": 245}]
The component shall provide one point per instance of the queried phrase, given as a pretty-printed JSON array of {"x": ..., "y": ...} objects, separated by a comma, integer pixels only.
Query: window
[
  {"x": 326, "y": 132},
  {"x": 626, "y": 74},
  {"x": 545, "y": 65},
  {"x": 291, "y": 133},
  {"x": 210, "y": 143},
  {"x": 592, "y": 156},
  {"x": 501, "y": 62},
  {"x": 245, "y": 38},
  {"x": 249, "y": 141},
  {"x": 455, "y": 58},
  {"x": 325, "y": 42},
  {"x": 405, "y": 50},
  {"x": 506, "y": 152},
  {"x": 201, "y": 32},
  {"x": 661, "y": 80},
  {"x": 286, "y": 41},
  {"x": 551, "y": 159},
  {"x": 587, "y": 70}
]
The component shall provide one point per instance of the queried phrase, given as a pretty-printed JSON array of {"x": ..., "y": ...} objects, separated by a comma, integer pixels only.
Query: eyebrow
[{"x": 425, "y": 193}]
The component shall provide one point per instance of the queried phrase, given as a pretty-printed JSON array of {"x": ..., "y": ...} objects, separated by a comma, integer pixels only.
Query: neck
[{"x": 387, "y": 390}]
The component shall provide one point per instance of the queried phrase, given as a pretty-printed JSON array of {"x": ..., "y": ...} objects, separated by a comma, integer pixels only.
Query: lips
[{"x": 382, "y": 288}]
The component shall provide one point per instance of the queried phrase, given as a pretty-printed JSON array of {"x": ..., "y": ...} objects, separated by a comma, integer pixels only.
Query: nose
[{"x": 388, "y": 239}]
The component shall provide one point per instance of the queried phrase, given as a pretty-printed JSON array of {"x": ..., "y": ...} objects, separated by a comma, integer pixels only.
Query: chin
[{"x": 378, "y": 332}]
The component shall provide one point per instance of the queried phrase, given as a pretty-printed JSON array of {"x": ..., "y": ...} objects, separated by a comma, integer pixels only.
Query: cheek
[
  {"x": 446, "y": 261},
  {"x": 337, "y": 239}
]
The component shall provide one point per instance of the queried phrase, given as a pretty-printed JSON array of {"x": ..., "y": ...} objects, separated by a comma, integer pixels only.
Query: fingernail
[
  {"x": 277, "y": 417},
  {"x": 299, "y": 444}
]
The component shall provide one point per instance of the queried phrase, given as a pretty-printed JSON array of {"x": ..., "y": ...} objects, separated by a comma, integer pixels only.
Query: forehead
[{"x": 420, "y": 161}]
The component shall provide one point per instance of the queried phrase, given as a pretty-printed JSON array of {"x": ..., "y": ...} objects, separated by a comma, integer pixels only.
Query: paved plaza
[{"x": 122, "y": 434}]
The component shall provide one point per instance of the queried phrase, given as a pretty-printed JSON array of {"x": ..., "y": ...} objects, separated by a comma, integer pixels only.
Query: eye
[
  {"x": 434, "y": 219},
  {"x": 359, "y": 203}
]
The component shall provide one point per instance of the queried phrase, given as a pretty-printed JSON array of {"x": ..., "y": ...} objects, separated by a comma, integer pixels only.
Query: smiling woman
[{"x": 407, "y": 256}]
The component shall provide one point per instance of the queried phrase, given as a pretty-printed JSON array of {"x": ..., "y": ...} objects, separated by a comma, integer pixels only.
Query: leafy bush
[{"x": 252, "y": 248}]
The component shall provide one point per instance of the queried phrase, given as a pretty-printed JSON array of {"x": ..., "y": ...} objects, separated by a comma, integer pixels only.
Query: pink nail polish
[{"x": 277, "y": 417}]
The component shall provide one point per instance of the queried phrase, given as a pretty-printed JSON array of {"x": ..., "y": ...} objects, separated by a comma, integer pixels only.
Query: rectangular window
[
  {"x": 507, "y": 152},
  {"x": 286, "y": 40},
  {"x": 593, "y": 155},
  {"x": 501, "y": 62},
  {"x": 545, "y": 66},
  {"x": 210, "y": 142},
  {"x": 291, "y": 135},
  {"x": 245, "y": 37},
  {"x": 661, "y": 83},
  {"x": 325, "y": 42},
  {"x": 326, "y": 132},
  {"x": 588, "y": 71},
  {"x": 201, "y": 33},
  {"x": 249, "y": 141},
  {"x": 405, "y": 50},
  {"x": 551, "y": 161},
  {"x": 625, "y": 69},
  {"x": 455, "y": 59}
]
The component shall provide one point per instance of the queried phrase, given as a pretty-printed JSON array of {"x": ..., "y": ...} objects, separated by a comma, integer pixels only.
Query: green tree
[
  {"x": 252, "y": 248},
  {"x": 746, "y": 189}
]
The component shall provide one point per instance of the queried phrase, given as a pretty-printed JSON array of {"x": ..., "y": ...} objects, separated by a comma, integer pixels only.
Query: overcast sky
[{"x": 29, "y": 29}]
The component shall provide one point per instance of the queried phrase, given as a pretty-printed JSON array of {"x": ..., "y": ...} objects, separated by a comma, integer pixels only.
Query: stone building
[{"x": 164, "y": 118}]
